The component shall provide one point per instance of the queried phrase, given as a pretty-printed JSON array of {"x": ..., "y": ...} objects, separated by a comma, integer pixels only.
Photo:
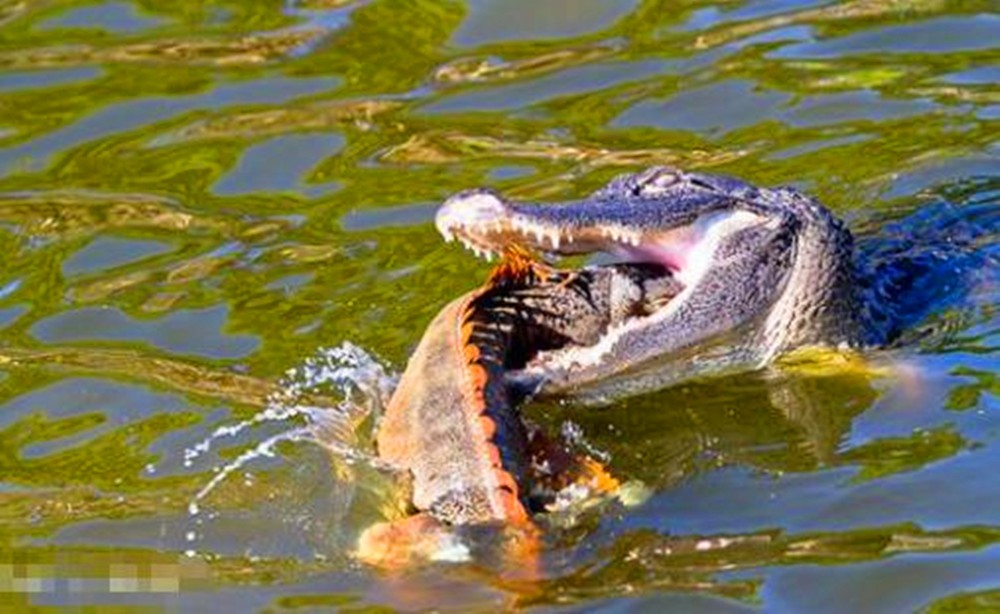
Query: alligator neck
[{"x": 823, "y": 301}]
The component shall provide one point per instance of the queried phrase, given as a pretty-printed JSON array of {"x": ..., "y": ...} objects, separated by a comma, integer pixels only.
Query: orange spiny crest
[
  {"x": 477, "y": 385},
  {"x": 489, "y": 427},
  {"x": 506, "y": 480},
  {"x": 517, "y": 266},
  {"x": 471, "y": 353},
  {"x": 493, "y": 455},
  {"x": 466, "y": 327},
  {"x": 511, "y": 502},
  {"x": 513, "y": 508}
]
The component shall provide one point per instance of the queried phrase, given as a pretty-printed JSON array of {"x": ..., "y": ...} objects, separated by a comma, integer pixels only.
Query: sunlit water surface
[{"x": 196, "y": 198}]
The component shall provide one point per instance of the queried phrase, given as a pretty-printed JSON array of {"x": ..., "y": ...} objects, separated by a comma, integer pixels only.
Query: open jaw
[
  {"x": 714, "y": 236},
  {"x": 681, "y": 236}
]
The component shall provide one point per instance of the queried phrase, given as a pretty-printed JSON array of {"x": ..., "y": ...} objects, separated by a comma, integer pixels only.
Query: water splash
[
  {"x": 264, "y": 449},
  {"x": 572, "y": 433},
  {"x": 359, "y": 382}
]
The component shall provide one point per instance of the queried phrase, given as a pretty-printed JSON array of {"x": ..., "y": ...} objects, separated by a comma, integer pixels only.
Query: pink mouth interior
[{"x": 673, "y": 249}]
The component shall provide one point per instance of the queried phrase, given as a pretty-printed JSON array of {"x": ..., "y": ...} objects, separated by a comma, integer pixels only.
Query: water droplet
[{"x": 359, "y": 379}]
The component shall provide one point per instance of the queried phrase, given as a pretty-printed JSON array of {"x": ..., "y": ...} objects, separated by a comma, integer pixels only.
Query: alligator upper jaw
[
  {"x": 683, "y": 237},
  {"x": 486, "y": 223}
]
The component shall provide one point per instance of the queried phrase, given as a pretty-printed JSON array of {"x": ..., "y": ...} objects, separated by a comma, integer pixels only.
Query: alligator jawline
[
  {"x": 685, "y": 251},
  {"x": 548, "y": 348},
  {"x": 571, "y": 357},
  {"x": 485, "y": 226}
]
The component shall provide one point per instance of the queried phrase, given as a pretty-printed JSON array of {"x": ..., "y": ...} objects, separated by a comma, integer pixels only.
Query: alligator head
[{"x": 763, "y": 271}]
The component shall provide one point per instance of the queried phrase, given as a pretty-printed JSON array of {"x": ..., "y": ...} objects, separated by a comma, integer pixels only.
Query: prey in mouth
[{"x": 761, "y": 271}]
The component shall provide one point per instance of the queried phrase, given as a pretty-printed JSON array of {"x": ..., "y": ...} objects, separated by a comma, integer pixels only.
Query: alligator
[
  {"x": 452, "y": 424},
  {"x": 716, "y": 276},
  {"x": 763, "y": 271}
]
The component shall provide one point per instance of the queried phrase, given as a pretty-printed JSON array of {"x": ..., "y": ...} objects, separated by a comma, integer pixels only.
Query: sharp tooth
[
  {"x": 555, "y": 240},
  {"x": 538, "y": 234},
  {"x": 489, "y": 256}
]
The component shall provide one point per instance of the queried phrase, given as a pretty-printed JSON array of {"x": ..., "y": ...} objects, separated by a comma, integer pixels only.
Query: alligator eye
[{"x": 657, "y": 181}]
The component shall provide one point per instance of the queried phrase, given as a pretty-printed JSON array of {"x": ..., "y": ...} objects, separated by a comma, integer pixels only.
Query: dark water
[{"x": 196, "y": 196}]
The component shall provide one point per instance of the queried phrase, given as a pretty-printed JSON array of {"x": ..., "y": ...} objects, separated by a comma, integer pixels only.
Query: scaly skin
[
  {"x": 440, "y": 426},
  {"x": 452, "y": 423},
  {"x": 764, "y": 271}
]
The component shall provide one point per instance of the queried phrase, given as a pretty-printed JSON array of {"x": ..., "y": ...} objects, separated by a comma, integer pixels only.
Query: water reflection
[
  {"x": 196, "y": 195},
  {"x": 117, "y": 17},
  {"x": 296, "y": 156},
  {"x": 935, "y": 35},
  {"x": 492, "y": 21},
  {"x": 121, "y": 117},
  {"x": 110, "y": 252},
  {"x": 182, "y": 332}
]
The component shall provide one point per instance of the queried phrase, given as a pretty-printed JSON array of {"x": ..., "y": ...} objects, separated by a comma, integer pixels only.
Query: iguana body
[{"x": 452, "y": 423}]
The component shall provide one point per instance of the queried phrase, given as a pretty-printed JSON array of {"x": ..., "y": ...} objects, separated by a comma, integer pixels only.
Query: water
[{"x": 195, "y": 197}]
